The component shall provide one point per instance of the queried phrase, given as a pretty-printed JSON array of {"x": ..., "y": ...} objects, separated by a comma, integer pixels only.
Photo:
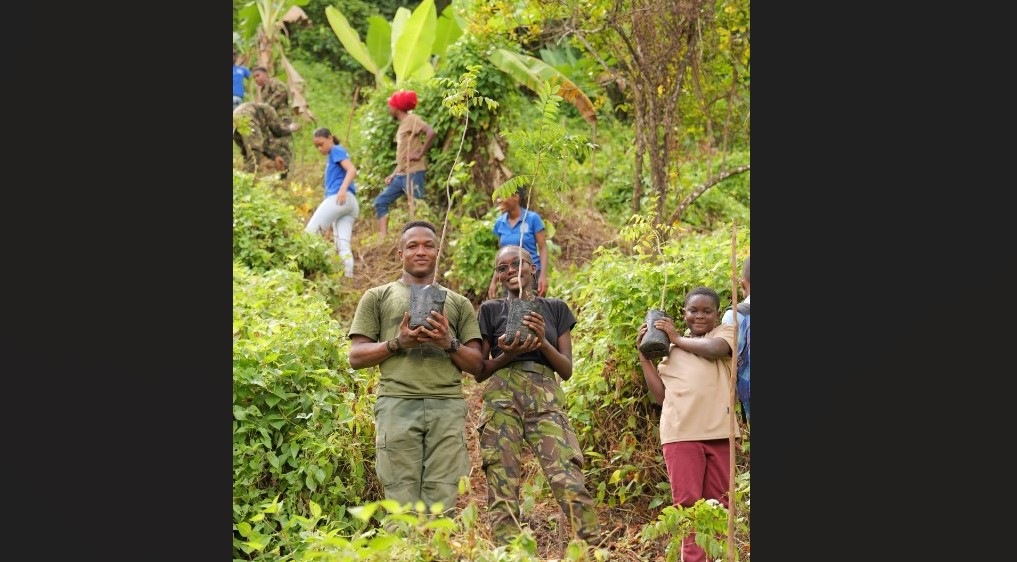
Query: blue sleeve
[
  {"x": 339, "y": 154},
  {"x": 536, "y": 223},
  {"x": 497, "y": 230},
  {"x": 247, "y": 73}
]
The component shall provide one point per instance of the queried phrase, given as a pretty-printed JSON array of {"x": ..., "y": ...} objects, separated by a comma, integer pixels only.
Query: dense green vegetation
[{"x": 303, "y": 454}]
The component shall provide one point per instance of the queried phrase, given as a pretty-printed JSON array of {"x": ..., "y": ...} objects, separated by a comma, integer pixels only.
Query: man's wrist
[
  {"x": 454, "y": 346},
  {"x": 393, "y": 346}
]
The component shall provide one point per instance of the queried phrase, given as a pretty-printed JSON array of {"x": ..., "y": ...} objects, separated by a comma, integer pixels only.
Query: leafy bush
[
  {"x": 302, "y": 418},
  {"x": 387, "y": 531},
  {"x": 268, "y": 234},
  {"x": 706, "y": 518},
  {"x": 472, "y": 255}
]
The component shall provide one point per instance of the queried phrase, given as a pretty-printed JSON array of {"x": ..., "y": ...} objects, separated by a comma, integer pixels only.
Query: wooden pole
[
  {"x": 346, "y": 141},
  {"x": 731, "y": 403}
]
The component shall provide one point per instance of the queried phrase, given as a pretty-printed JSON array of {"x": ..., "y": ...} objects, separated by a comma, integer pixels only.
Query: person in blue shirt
[
  {"x": 240, "y": 75},
  {"x": 515, "y": 219},
  {"x": 340, "y": 209}
]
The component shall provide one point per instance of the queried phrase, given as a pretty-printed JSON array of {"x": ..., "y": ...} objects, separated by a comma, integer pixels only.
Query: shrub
[
  {"x": 302, "y": 418},
  {"x": 268, "y": 234}
]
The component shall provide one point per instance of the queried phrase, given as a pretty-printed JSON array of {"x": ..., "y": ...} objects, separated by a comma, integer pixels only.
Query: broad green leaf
[
  {"x": 257, "y": 544},
  {"x": 249, "y": 19},
  {"x": 446, "y": 32},
  {"x": 349, "y": 38},
  {"x": 311, "y": 484},
  {"x": 398, "y": 22},
  {"x": 615, "y": 477},
  {"x": 423, "y": 72},
  {"x": 315, "y": 508},
  {"x": 379, "y": 41},
  {"x": 413, "y": 46},
  {"x": 533, "y": 73},
  {"x": 244, "y": 528},
  {"x": 273, "y": 460},
  {"x": 382, "y": 543},
  {"x": 363, "y": 512},
  {"x": 441, "y": 523}
]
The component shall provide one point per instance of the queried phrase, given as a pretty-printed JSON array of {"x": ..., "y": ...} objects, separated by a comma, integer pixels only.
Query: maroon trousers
[{"x": 697, "y": 469}]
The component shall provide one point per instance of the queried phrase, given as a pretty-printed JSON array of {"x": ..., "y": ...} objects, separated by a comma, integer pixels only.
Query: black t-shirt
[{"x": 493, "y": 316}]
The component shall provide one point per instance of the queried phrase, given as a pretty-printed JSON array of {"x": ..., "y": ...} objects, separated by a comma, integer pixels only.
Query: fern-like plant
[{"x": 539, "y": 147}]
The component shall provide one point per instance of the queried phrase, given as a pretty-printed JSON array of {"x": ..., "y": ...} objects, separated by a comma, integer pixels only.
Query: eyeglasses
[{"x": 514, "y": 264}]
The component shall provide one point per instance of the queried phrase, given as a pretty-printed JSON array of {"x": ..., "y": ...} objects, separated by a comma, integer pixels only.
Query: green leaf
[
  {"x": 446, "y": 32},
  {"x": 244, "y": 528},
  {"x": 363, "y": 512},
  {"x": 441, "y": 523},
  {"x": 249, "y": 19},
  {"x": 379, "y": 41},
  {"x": 273, "y": 460},
  {"x": 257, "y": 544},
  {"x": 413, "y": 46},
  {"x": 311, "y": 484},
  {"x": 398, "y": 23},
  {"x": 533, "y": 73},
  {"x": 615, "y": 477},
  {"x": 423, "y": 73},
  {"x": 349, "y": 38},
  {"x": 656, "y": 502},
  {"x": 315, "y": 508}
]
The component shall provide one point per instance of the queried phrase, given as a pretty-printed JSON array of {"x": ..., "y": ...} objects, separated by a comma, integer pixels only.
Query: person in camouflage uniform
[
  {"x": 274, "y": 93},
  {"x": 261, "y": 136},
  {"x": 524, "y": 403}
]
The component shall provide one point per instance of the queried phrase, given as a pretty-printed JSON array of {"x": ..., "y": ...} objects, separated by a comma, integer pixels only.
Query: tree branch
[{"x": 700, "y": 189}]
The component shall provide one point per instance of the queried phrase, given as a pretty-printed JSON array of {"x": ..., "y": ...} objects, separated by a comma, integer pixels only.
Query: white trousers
[{"x": 340, "y": 219}]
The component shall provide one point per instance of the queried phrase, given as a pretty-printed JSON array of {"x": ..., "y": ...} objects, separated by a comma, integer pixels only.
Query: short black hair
[
  {"x": 519, "y": 250},
  {"x": 704, "y": 291},
  {"x": 415, "y": 224}
]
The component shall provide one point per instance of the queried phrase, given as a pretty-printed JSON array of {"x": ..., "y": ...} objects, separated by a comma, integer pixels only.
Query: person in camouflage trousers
[
  {"x": 274, "y": 93},
  {"x": 261, "y": 136},
  {"x": 524, "y": 403}
]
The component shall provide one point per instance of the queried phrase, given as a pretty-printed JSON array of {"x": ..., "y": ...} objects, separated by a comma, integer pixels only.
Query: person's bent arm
[
  {"x": 653, "y": 380},
  {"x": 545, "y": 262},
  {"x": 365, "y": 352},
  {"x": 351, "y": 172},
  {"x": 707, "y": 348},
  {"x": 429, "y": 139},
  {"x": 468, "y": 357},
  {"x": 509, "y": 352}
]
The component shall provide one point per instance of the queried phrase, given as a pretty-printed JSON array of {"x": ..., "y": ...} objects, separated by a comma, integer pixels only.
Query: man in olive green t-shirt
[{"x": 420, "y": 413}]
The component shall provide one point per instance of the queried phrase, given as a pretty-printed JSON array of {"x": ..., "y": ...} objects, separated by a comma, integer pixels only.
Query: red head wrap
[{"x": 403, "y": 100}]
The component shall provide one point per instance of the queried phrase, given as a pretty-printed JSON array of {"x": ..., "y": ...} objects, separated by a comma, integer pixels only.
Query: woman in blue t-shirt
[
  {"x": 513, "y": 219},
  {"x": 340, "y": 209}
]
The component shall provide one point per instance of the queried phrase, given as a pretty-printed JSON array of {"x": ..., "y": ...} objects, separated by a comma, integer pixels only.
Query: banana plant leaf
[
  {"x": 413, "y": 45},
  {"x": 350, "y": 39},
  {"x": 532, "y": 72}
]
